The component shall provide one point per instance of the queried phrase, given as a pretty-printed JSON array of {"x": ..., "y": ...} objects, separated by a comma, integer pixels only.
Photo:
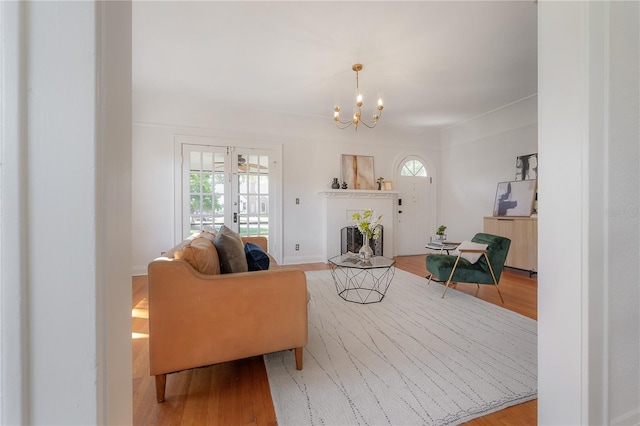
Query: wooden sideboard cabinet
[{"x": 523, "y": 233}]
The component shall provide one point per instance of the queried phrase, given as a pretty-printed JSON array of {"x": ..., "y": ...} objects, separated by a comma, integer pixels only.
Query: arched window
[{"x": 413, "y": 168}]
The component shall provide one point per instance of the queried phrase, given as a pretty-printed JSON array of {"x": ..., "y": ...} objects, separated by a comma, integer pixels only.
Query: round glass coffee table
[{"x": 362, "y": 282}]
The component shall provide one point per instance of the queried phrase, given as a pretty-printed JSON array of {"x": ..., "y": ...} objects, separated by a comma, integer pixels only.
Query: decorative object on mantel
[
  {"x": 387, "y": 185},
  {"x": 369, "y": 226},
  {"x": 335, "y": 184},
  {"x": 380, "y": 180},
  {"x": 344, "y": 185},
  {"x": 357, "y": 118},
  {"x": 440, "y": 235},
  {"x": 357, "y": 171}
]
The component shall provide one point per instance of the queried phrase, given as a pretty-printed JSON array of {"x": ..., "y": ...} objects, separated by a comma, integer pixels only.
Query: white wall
[
  {"x": 66, "y": 279},
  {"x": 311, "y": 149},
  {"x": 589, "y": 103},
  {"x": 476, "y": 155}
]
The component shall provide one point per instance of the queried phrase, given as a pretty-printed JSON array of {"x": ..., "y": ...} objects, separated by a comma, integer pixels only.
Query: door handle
[{"x": 235, "y": 218}]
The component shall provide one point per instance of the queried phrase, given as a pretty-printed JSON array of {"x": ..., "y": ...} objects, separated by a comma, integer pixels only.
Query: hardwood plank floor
[{"x": 237, "y": 393}]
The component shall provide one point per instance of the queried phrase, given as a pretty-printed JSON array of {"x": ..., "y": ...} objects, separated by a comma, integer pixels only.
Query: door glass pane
[
  {"x": 413, "y": 168},
  {"x": 264, "y": 164},
  {"x": 195, "y": 204},
  {"x": 264, "y": 184},
  {"x": 242, "y": 184},
  {"x": 207, "y": 161},
  {"x": 194, "y": 161},
  {"x": 207, "y": 204}
]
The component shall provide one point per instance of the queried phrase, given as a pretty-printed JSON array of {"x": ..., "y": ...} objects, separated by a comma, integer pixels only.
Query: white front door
[{"x": 415, "y": 207}]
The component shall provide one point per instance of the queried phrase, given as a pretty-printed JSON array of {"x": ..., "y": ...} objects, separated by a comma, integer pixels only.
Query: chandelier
[{"x": 357, "y": 117}]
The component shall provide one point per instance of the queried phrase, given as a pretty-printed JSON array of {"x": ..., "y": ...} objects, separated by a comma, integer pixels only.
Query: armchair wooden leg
[
  {"x": 429, "y": 282},
  {"x": 298, "y": 352},
  {"x": 161, "y": 384}
]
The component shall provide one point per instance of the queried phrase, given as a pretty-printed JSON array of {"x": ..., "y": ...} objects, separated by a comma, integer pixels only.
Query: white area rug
[{"x": 411, "y": 359}]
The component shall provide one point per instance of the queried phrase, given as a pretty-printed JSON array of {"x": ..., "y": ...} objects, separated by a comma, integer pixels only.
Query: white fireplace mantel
[
  {"x": 340, "y": 204},
  {"x": 357, "y": 193}
]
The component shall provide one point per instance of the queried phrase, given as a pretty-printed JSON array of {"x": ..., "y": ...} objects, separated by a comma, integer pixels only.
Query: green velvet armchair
[{"x": 486, "y": 270}]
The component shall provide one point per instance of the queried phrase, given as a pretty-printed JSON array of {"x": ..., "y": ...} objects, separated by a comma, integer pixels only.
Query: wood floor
[{"x": 237, "y": 393}]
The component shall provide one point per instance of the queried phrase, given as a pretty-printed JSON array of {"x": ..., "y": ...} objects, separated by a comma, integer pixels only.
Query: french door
[{"x": 229, "y": 185}]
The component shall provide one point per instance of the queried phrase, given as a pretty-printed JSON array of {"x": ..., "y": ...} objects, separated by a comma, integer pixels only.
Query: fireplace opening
[{"x": 351, "y": 240}]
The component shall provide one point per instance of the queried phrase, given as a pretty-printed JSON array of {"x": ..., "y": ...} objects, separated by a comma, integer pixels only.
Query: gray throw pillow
[{"x": 231, "y": 251}]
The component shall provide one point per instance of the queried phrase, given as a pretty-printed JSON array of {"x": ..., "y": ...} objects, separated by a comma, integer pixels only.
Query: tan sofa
[{"x": 197, "y": 320}]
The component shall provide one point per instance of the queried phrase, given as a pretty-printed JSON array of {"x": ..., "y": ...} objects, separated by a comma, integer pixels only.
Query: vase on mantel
[{"x": 365, "y": 252}]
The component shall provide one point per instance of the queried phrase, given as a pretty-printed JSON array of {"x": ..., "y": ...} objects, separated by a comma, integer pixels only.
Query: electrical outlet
[
  {"x": 297, "y": 200},
  {"x": 297, "y": 247}
]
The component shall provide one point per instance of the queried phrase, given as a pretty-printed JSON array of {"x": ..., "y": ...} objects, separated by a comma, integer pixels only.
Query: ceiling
[{"x": 436, "y": 63}]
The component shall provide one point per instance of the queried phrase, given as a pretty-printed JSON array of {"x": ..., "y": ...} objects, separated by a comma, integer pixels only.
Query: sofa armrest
[{"x": 197, "y": 319}]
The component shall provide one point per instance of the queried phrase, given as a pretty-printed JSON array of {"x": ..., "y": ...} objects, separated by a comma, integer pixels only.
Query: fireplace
[
  {"x": 339, "y": 207},
  {"x": 351, "y": 240}
]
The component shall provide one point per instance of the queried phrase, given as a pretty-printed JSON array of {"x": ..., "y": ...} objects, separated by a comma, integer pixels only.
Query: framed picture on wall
[
  {"x": 527, "y": 167},
  {"x": 515, "y": 198},
  {"x": 357, "y": 171}
]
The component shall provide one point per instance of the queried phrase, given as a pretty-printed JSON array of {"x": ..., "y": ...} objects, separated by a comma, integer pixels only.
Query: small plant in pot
[{"x": 440, "y": 235}]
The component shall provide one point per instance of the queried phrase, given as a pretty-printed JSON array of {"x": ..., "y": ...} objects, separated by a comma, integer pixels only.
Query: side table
[
  {"x": 362, "y": 282},
  {"x": 445, "y": 246}
]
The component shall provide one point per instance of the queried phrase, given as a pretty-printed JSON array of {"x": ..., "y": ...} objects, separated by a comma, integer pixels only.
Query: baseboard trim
[{"x": 293, "y": 260}]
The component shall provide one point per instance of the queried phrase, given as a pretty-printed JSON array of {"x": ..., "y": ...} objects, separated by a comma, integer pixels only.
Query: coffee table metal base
[{"x": 362, "y": 285}]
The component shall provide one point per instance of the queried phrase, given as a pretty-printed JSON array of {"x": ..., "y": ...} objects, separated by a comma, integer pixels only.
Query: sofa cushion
[
  {"x": 231, "y": 251},
  {"x": 209, "y": 235},
  {"x": 202, "y": 255},
  {"x": 178, "y": 247},
  {"x": 257, "y": 259},
  {"x": 471, "y": 257}
]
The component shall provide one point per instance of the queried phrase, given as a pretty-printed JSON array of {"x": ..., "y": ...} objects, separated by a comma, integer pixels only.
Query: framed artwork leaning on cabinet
[{"x": 515, "y": 198}]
